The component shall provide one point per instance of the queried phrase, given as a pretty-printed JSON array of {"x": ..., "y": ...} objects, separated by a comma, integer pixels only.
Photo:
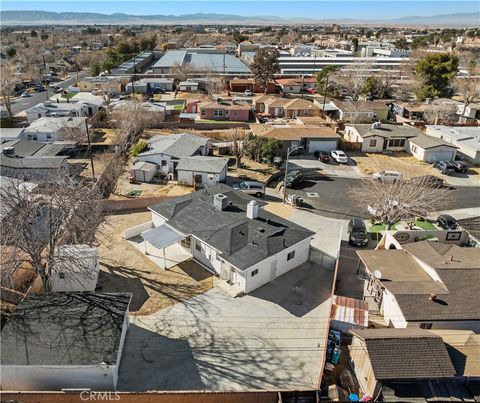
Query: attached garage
[
  {"x": 430, "y": 149},
  {"x": 322, "y": 145}
]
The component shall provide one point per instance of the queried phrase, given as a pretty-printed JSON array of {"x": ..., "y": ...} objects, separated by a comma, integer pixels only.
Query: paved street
[
  {"x": 22, "y": 104},
  {"x": 330, "y": 196}
]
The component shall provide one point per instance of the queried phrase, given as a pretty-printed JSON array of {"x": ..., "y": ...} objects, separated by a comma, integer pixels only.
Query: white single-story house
[
  {"x": 188, "y": 86},
  {"x": 149, "y": 85},
  {"x": 65, "y": 340},
  {"x": 143, "y": 171},
  {"x": 426, "y": 284},
  {"x": 230, "y": 234},
  {"x": 49, "y": 129},
  {"x": 62, "y": 109},
  {"x": 165, "y": 151},
  {"x": 201, "y": 170},
  {"x": 430, "y": 149},
  {"x": 379, "y": 137},
  {"x": 466, "y": 139}
]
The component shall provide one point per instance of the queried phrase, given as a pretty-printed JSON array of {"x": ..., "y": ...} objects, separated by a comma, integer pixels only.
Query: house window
[
  {"x": 198, "y": 246},
  {"x": 425, "y": 325},
  {"x": 203, "y": 112},
  {"x": 414, "y": 148},
  {"x": 164, "y": 163},
  {"x": 34, "y": 137},
  {"x": 254, "y": 272},
  {"x": 291, "y": 255},
  {"x": 218, "y": 112},
  {"x": 396, "y": 143},
  {"x": 373, "y": 143},
  {"x": 39, "y": 115},
  {"x": 49, "y": 136}
]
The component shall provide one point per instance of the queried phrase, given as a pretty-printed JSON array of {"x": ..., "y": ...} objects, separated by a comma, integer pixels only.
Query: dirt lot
[
  {"x": 100, "y": 160},
  {"x": 403, "y": 162},
  {"x": 147, "y": 189},
  {"x": 123, "y": 268},
  {"x": 222, "y": 135}
]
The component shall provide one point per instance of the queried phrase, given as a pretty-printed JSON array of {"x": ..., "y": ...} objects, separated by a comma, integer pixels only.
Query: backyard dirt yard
[
  {"x": 403, "y": 162},
  {"x": 221, "y": 135},
  {"x": 143, "y": 189},
  {"x": 100, "y": 161},
  {"x": 125, "y": 269}
]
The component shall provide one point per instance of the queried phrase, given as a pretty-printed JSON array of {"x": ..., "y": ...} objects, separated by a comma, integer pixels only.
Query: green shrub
[{"x": 138, "y": 148}]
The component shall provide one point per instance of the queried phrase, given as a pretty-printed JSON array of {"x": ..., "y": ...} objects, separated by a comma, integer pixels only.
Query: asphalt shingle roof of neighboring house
[
  {"x": 457, "y": 296},
  {"x": 54, "y": 124},
  {"x": 243, "y": 242},
  {"x": 176, "y": 146},
  {"x": 406, "y": 354},
  {"x": 293, "y": 132},
  {"x": 359, "y": 106},
  {"x": 23, "y": 148},
  {"x": 75, "y": 328},
  {"x": 386, "y": 130},
  {"x": 199, "y": 163},
  {"x": 427, "y": 142}
]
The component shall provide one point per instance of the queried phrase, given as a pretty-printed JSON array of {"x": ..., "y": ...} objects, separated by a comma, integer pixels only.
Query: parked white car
[
  {"x": 339, "y": 156},
  {"x": 388, "y": 176},
  {"x": 248, "y": 93}
]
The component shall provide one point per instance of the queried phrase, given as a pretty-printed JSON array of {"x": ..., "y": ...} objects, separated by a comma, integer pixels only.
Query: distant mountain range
[{"x": 17, "y": 17}]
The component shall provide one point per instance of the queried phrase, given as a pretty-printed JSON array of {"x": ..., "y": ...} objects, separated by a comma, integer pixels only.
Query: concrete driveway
[
  {"x": 273, "y": 338},
  {"x": 349, "y": 170}
]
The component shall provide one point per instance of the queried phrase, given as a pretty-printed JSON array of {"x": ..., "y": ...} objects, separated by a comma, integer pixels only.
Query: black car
[
  {"x": 322, "y": 156},
  {"x": 357, "y": 232},
  {"x": 444, "y": 167},
  {"x": 293, "y": 177},
  {"x": 447, "y": 222},
  {"x": 459, "y": 166},
  {"x": 156, "y": 91}
]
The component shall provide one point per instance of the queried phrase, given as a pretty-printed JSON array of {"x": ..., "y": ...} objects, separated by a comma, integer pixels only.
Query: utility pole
[
  {"x": 286, "y": 171},
  {"x": 134, "y": 74},
  {"x": 45, "y": 80},
  {"x": 90, "y": 148},
  {"x": 325, "y": 95}
]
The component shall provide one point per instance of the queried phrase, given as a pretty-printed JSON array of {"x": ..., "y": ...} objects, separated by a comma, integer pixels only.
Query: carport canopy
[{"x": 162, "y": 236}]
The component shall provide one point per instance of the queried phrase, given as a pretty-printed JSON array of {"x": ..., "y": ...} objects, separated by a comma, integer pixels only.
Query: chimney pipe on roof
[
  {"x": 432, "y": 296},
  {"x": 252, "y": 209}
]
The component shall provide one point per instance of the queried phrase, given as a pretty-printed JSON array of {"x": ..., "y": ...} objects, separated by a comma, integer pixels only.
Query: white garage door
[
  {"x": 440, "y": 156},
  {"x": 322, "y": 145}
]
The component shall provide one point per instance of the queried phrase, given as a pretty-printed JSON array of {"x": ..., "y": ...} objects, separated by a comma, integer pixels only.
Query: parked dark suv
[
  {"x": 294, "y": 177},
  {"x": 444, "y": 167},
  {"x": 357, "y": 232},
  {"x": 447, "y": 221},
  {"x": 459, "y": 166}
]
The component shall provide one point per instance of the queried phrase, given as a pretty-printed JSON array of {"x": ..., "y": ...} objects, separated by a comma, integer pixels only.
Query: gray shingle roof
[
  {"x": 176, "y": 145},
  {"x": 76, "y": 328},
  {"x": 199, "y": 163},
  {"x": 427, "y": 142},
  {"x": 387, "y": 130},
  {"x": 242, "y": 241},
  {"x": 406, "y": 354}
]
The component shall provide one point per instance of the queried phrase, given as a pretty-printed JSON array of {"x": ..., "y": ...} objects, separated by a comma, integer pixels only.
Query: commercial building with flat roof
[{"x": 197, "y": 61}]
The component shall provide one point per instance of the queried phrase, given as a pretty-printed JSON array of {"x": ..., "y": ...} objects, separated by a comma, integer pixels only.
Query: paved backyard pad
[
  {"x": 126, "y": 269},
  {"x": 273, "y": 338}
]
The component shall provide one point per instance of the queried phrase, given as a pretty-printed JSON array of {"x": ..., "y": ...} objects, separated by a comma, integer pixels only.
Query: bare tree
[
  {"x": 7, "y": 85},
  {"x": 469, "y": 86},
  {"x": 41, "y": 225},
  {"x": 236, "y": 148},
  {"x": 406, "y": 199},
  {"x": 351, "y": 81},
  {"x": 386, "y": 79},
  {"x": 181, "y": 71},
  {"x": 437, "y": 113}
]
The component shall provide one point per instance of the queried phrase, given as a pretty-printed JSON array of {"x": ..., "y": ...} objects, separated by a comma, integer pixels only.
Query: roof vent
[
  {"x": 432, "y": 296},
  {"x": 376, "y": 125},
  {"x": 9, "y": 151},
  {"x": 220, "y": 201},
  {"x": 252, "y": 209}
]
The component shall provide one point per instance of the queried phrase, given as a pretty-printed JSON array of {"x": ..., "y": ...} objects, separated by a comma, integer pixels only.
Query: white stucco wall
[
  {"x": 391, "y": 311},
  {"x": 275, "y": 266},
  {"x": 366, "y": 147},
  {"x": 208, "y": 179},
  {"x": 157, "y": 159},
  {"x": 52, "y": 377}
]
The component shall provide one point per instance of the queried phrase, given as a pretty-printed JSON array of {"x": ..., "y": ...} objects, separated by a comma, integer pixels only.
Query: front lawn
[
  {"x": 425, "y": 225},
  {"x": 69, "y": 95}
]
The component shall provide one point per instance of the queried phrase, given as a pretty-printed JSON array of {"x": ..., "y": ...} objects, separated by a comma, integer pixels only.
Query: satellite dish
[{"x": 377, "y": 274}]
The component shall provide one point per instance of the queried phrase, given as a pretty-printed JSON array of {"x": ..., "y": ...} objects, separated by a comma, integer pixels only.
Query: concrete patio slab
[
  {"x": 273, "y": 338},
  {"x": 173, "y": 255}
]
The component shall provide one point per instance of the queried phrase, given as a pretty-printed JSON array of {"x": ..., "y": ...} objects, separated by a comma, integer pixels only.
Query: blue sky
[{"x": 281, "y": 8}]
